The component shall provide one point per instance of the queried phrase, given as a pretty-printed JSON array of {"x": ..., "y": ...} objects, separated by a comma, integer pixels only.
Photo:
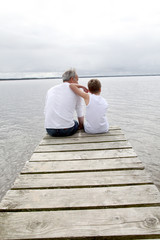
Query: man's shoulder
[{"x": 56, "y": 86}]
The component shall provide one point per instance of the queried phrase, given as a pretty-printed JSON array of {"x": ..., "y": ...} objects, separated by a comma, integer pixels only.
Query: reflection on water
[{"x": 133, "y": 105}]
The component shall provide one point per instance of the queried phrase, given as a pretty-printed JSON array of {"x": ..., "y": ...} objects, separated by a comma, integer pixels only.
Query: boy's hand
[{"x": 85, "y": 90}]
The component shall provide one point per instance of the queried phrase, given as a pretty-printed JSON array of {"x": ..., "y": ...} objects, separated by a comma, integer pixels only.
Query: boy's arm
[
  {"x": 76, "y": 89},
  {"x": 81, "y": 121}
]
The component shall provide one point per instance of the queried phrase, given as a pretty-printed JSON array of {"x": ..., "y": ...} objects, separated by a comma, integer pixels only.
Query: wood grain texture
[
  {"x": 77, "y": 155},
  {"x": 83, "y": 146},
  {"x": 82, "y": 187},
  {"x": 82, "y": 165},
  {"x": 80, "y": 198},
  {"x": 77, "y": 140},
  {"x": 81, "y": 179},
  {"x": 110, "y": 223}
]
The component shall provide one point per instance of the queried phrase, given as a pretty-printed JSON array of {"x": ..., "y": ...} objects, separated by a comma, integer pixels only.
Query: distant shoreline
[{"x": 87, "y": 76}]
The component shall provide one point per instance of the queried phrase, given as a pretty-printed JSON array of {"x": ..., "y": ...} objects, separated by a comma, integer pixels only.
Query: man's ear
[{"x": 71, "y": 80}]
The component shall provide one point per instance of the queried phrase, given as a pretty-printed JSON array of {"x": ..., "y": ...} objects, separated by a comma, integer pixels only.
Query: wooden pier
[{"x": 82, "y": 187}]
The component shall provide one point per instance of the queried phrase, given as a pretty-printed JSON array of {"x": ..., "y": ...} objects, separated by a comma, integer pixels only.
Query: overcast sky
[{"x": 93, "y": 36}]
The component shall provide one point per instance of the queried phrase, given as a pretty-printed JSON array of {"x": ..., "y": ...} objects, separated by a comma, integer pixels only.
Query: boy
[{"x": 96, "y": 107}]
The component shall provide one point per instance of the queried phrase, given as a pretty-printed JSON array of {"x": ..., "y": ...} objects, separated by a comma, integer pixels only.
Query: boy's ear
[{"x": 100, "y": 90}]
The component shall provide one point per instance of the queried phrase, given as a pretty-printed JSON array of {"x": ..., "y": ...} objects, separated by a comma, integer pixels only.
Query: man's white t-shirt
[
  {"x": 95, "y": 119},
  {"x": 61, "y": 103}
]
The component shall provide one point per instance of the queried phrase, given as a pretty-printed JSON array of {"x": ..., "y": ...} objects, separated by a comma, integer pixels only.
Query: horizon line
[{"x": 83, "y": 76}]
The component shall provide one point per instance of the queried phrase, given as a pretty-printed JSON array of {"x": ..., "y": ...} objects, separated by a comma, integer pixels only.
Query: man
[{"x": 61, "y": 103}]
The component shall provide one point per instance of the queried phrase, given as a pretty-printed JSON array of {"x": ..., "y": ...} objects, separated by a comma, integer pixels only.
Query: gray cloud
[{"x": 102, "y": 39}]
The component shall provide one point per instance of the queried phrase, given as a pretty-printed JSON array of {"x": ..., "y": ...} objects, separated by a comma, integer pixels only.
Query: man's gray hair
[{"x": 68, "y": 74}]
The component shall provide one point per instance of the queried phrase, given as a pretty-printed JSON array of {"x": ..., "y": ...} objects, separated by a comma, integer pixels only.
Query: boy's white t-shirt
[{"x": 95, "y": 119}]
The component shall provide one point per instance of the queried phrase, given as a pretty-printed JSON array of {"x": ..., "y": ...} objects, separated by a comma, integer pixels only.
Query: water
[{"x": 133, "y": 105}]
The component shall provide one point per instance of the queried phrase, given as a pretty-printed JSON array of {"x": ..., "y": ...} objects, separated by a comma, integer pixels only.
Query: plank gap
[
  {"x": 78, "y": 171},
  {"x": 78, "y": 159},
  {"x": 82, "y": 150},
  {"x": 82, "y": 208},
  {"x": 50, "y": 141},
  {"x": 94, "y": 141},
  {"x": 82, "y": 186}
]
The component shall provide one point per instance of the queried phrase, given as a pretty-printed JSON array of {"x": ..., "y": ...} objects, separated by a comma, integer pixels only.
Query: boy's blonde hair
[{"x": 94, "y": 85}]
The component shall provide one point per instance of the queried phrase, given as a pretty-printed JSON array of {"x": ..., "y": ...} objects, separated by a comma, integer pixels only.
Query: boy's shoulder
[{"x": 103, "y": 100}]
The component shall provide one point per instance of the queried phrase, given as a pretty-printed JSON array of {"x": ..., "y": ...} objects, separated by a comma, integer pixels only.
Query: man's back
[{"x": 61, "y": 103}]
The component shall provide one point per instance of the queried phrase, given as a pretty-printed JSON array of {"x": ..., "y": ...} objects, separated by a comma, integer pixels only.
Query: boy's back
[
  {"x": 95, "y": 119},
  {"x": 96, "y": 107}
]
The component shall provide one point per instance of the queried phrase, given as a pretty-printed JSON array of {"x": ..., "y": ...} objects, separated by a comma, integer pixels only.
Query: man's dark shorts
[{"x": 63, "y": 132}]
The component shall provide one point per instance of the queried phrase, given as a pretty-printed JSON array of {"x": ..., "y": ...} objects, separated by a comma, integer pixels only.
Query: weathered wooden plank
[
  {"x": 118, "y": 153},
  {"x": 99, "y": 182},
  {"x": 111, "y": 132},
  {"x": 95, "y": 138},
  {"x": 83, "y": 146},
  {"x": 49, "y": 199},
  {"x": 81, "y": 133},
  {"x": 112, "y": 223},
  {"x": 83, "y": 165},
  {"x": 109, "y": 178},
  {"x": 114, "y": 127}
]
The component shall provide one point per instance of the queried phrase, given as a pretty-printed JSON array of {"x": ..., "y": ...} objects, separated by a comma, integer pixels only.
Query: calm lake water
[{"x": 134, "y": 105}]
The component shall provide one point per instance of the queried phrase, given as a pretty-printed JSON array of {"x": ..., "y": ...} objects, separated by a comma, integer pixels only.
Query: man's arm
[{"x": 76, "y": 89}]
